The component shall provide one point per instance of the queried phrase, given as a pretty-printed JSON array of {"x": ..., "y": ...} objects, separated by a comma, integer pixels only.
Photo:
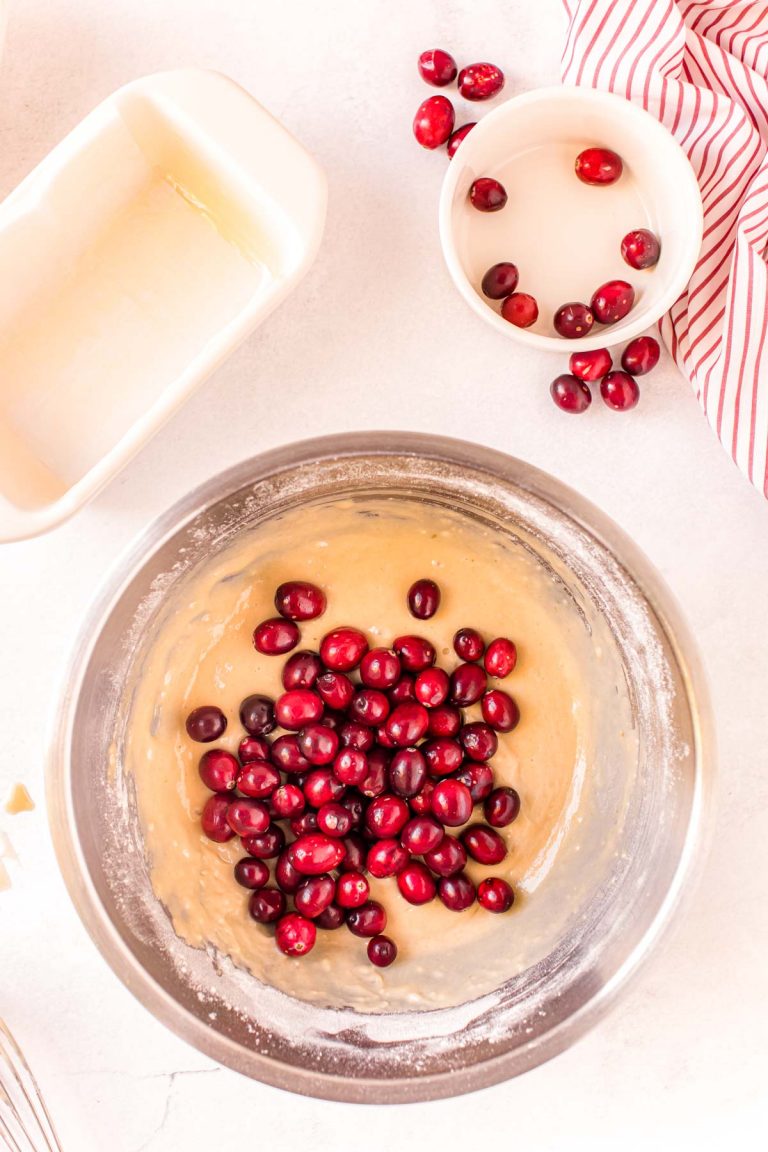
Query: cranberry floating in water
[
  {"x": 257, "y": 715},
  {"x": 501, "y": 807},
  {"x": 343, "y": 649},
  {"x": 295, "y": 935},
  {"x": 573, "y": 320},
  {"x": 620, "y": 391},
  {"x": 267, "y": 906},
  {"x": 468, "y": 682},
  {"x": 247, "y": 817},
  {"x": 369, "y": 919},
  {"x": 416, "y": 883},
  {"x": 214, "y": 819},
  {"x": 352, "y": 890},
  {"x": 287, "y": 800},
  {"x": 590, "y": 366},
  {"x": 382, "y": 951},
  {"x": 448, "y": 858},
  {"x": 483, "y": 844},
  {"x": 298, "y": 707},
  {"x": 321, "y": 787},
  {"x": 316, "y": 853},
  {"x": 641, "y": 355},
  {"x": 299, "y": 600},
  {"x": 478, "y": 777},
  {"x": 351, "y": 766},
  {"x": 386, "y": 815},
  {"x": 275, "y": 637},
  {"x": 468, "y": 644},
  {"x": 451, "y": 803},
  {"x": 444, "y": 721},
  {"x": 251, "y": 873},
  {"x": 500, "y": 280},
  {"x": 437, "y": 67},
  {"x": 286, "y": 754},
  {"x": 455, "y": 139},
  {"x": 480, "y": 81},
  {"x": 380, "y": 668},
  {"x": 318, "y": 744},
  {"x": 443, "y": 756},
  {"x": 479, "y": 741},
  {"x": 332, "y": 917},
  {"x": 407, "y": 724},
  {"x": 415, "y": 653},
  {"x": 456, "y": 892},
  {"x": 431, "y": 687},
  {"x": 301, "y": 670},
  {"x": 520, "y": 309},
  {"x": 500, "y": 658},
  {"x": 206, "y": 724},
  {"x": 369, "y": 706},
  {"x": 495, "y": 894},
  {"x": 265, "y": 845},
  {"x": 386, "y": 858},
  {"x": 500, "y": 710},
  {"x": 314, "y": 895},
  {"x": 421, "y": 835},
  {"x": 218, "y": 770},
  {"x": 640, "y": 249},
  {"x": 612, "y": 301},
  {"x": 407, "y": 771},
  {"x": 570, "y": 394},
  {"x": 253, "y": 748},
  {"x": 487, "y": 194},
  {"x": 258, "y": 779},
  {"x": 598, "y": 166},
  {"x": 433, "y": 122},
  {"x": 423, "y": 599}
]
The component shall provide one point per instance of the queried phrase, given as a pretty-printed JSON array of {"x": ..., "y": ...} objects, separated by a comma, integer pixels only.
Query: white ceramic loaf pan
[{"x": 134, "y": 258}]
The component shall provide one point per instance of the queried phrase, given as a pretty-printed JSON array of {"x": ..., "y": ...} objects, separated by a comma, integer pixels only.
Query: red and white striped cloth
[{"x": 702, "y": 69}]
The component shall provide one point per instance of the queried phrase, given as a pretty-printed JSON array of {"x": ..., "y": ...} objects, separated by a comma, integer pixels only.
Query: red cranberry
[
  {"x": 443, "y": 757},
  {"x": 257, "y": 779},
  {"x": 333, "y": 917},
  {"x": 456, "y": 138},
  {"x": 357, "y": 851},
  {"x": 421, "y": 803},
  {"x": 301, "y": 670},
  {"x": 407, "y": 724},
  {"x": 318, "y": 744},
  {"x": 316, "y": 853},
  {"x": 314, "y": 895},
  {"x": 480, "y": 81},
  {"x": 334, "y": 819},
  {"x": 295, "y": 935},
  {"x": 483, "y": 844},
  {"x": 598, "y": 166},
  {"x": 251, "y": 873},
  {"x": 444, "y": 721},
  {"x": 416, "y": 884},
  {"x": 253, "y": 748},
  {"x": 335, "y": 690},
  {"x": 287, "y": 800},
  {"x": 500, "y": 710},
  {"x": 573, "y": 320},
  {"x": 357, "y": 736},
  {"x": 431, "y": 687},
  {"x": 620, "y": 391},
  {"x": 520, "y": 309},
  {"x": 570, "y": 394},
  {"x": 421, "y": 835},
  {"x": 322, "y": 787},
  {"x": 257, "y": 715},
  {"x": 265, "y": 845},
  {"x": 500, "y": 280},
  {"x": 640, "y": 249},
  {"x": 380, "y": 668},
  {"x": 276, "y": 636},
  {"x": 386, "y": 815},
  {"x": 501, "y": 807},
  {"x": 247, "y": 817},
  {"x": 415, "y": 653},
  {"x": 404, "y": 692},
  {"x": 213, "y": 819},
  {"x": 641, "y": 355},
  {"x": 500, "y": 658},
  {"x": 423, "y": 599},
  {"x": 307, "y": 822},
  {"x": 386, "y": 858},
  {"x": 407, "y": 771},
  {"x": 590, "y": 366},
  {"x": 478, "y": 777},
  {"x": 350, "y": 766},
  {"x": 267, "y": 905},
  {"x": 437, "y": 67},
  {"x": 479, "y": 741},
  {"x": 206, "y": 724},
  {"x": 355, "y": 806},
  {"x": 369, "y": 706},
  {"x": 218, "y": 770},
  {"x": 352, "y": 890},
  {"x": 451, "y": 803},
  {"x": 448, "y": 858},
  {"x": 612, "y": 301},
  {"x": 343, "y": 649},
  {"x": 299, "y": 600},
  {"x": 456, "y": 892},
  {"x": 495, "y": 894},
  {"x": 382, "y": 951},
  {"x": 487, "y": 195},
  {"x": 286, "y": 754},
  {"x": 433, "y": 122},
  {"x": 468, "y": 644},
  {"x": 468, "y": 682},
  {"x": 376, "y": 781},
  {"x": 368, "y": 920},
  {"x": 286, "y": 876},
  {"x": 298, "y": 707}
]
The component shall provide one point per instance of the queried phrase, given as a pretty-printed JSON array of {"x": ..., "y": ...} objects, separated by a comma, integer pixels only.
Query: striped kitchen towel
[{"x": 702, "y": 69}]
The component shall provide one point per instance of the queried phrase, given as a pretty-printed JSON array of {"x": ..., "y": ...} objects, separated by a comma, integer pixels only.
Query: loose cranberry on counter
[
  {"x": 376, "y": 781},
  {"x": 275, "y": 637},
  {"x": 318, "y": 744},
  {"x": 501, "y": 807},
  {"x": 287, "y": 877},
  {"x": 480, "y": 81},
  {"x": 520, "y": 309},
  {"x": 457, "y": 892},
  {"x": 415, "y": 653},
  {"x": 421, "y": 835},
  {"x": 369, "y": 919},
  {"x": 335, "y": 690},
  {"x": 286, "y": 754},
  {"x": 357, "y": 850},
  {"x": 253, "y": 748},
  {"x": 640, "y": 249},
  {"x": 314, "y": 895},
  {"x": 451, "y": 803},
  {"x": 431, "y": 687},
  {"x": 468, "y": 682},
  {"x": 433, "y": 122},
  {"x": 500, "y": 280},
  {"x": 487, "y": 194},
  {"x": 258, "y": 779},
  {"x": 386, "y": 815},
  {"x": 478, "y": 778},
  {"x": 570, "y": 394},
  {"x": 407, "y": 771},
  {"x": 455, "y": 139},
  {"x": 267, "y": 905},
  {"x": 299, "y": 600},
  {"x": 265, "y": 845},
  {"x": 386, "y": 858},
  {"x": 352, "y": 890},
  {"x": 500, "y": 658},
  {"x": 301, "y": 825},
  {"x": 590, "y": 366},
  {"x": 421, "y": 803},
  {"x": 331, "y": 918},
  {"x": 298, "y": 707},
  {"x": 380, "y": 668},
  {"x": 407, "y": 724},
  {"x": 316, "y": 853},
  {"x": 620, "y": 391},
  {"x": 443, "y": 756},
  {"x": 448, "y": 858},
  {"x": 382, "y": 951},
  {"x": 206, "y": 724},
  {"x": 213, "y": 819},
  {"x": 573, "y": 320},
  {"x": 423, "y": 599},
  {"x": 484, "y": 844},
  {"x": 286, "y": 801},
  {"x": 257, "y": 715},
  {"x": 500, "y": 710},
  {"x": 343, "y": 649},
  {"x": 404, "y": 692},
  {"x": 444, "y": 721},
  {"x": 416, "y": 883},
  {"x": 468, "y": 644},
  {"x": 322, "y": 787},
  {"x": 612, "y": 301},
  {"x": 247, "y": 817},
  {"x": 351, "y": 766},
  {"x": 369, "y": 706},
  {"x": 301, "y": 670},
  {"x": 641, "y": 355},
  {"x": 218, "y": 770},
  {"x": 495, "y": 894},
  {"x": 479, "y": 741},
  {"x": 251, "y": 873},
  {"x": 357, "y": 736},
  {"x": 437, "y": 67},
  {"x": 295, "y": 935},
  {"x": 599, "y": 166}
]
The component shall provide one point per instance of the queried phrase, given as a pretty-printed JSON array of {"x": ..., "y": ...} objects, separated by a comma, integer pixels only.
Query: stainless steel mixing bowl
[{"x": 615, "y": 883}]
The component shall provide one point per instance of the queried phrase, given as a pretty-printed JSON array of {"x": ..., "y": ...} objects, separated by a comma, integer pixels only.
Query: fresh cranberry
[
  {"x": 407, "y": 724},
  {"x": 421, "y": 835},
  {"x": 437, "y": 67},
  {"x": 500, "y": 658},
  {"x": 275, "y": 637},
  {"x": 298, "y": 707},
  {"x": 301, "y": 825},
  {"x": 487, "y": 195},
  {"x": 213, "y": 819},
  {"x": 480, "y": 81},
  {"x": 421, "y": 803},
  {"x": 318, "y": 744},
  {"x": 641, "y": 355},
  {"x": 332, "y": 917},
  {"x": 612, "y": 301},
  {"x": 334, "y": 819},
  {"x": 598, "y": 166},
  {"x": 443, "y": 756},
  {"x": 376, "y": 781},
  {"x": 444, "y": 721},
  {"x": 386, "y": 858},
  {"x": 287, "y": 800},
  {"x": 619, "y": 391},
  {"x": 380, "y": 668},
  {"x": 265, "y": 845},
  {"x": 448, "y": 858},
  {"x": 500, "y": 280},
  {"x": 354, "y": 803},
  {"x": 322, "y": 787},
  {"x": 520, "y": 309},
  {"x": 573, "y": 320},
  {"x": 314, "y": 895},
  {"x": 335, "y": 690},
  {"x": 343, "y": 649},
  {"x": 253, "y": 748},
  {"x": 267, "y": 905},
  {"x": 423, "y": 599},
  {"x": 500, "y": 710},
  {"x": 501, "y": 807},
  {"x": 206, "y": 724},
  {"x": 350, "y": 766},
  {"x": 286, "y": 754},
  {"x": 570, "y": 394},
  {"x": 415, "y": 653},
  {"x": 640, "y": 249},
  {"x": 407, "y": 771},
  {"x": 299, "y": 600},
  {"x": 257, "y": 715},
  {"x": 404, "y": 692},
  {"x": 478, "y": 777},
  {"x": 416, "y": 883},
  {"x": 382, "y": 951},
  {"x": 258, "y": 779},
  {"x": 357, "y": 736},
  {"x": 247, "y": 817},
  {"x": 590, "y": 366},
  {"x": 316, "y": 853},
  {"x": 451, "y": 803},
  {"x": 431, "y": 687},
  {"x": 369, "y": 706},
  {"x": 478, "y": 741},
  {"x": 483, "y": 844},
  {"x": 286, "y": 876},
  {"x": 468, "y": 682},
  {"x": 456, "y": 138},
  {"x": 218, "y": 770},
  {"x": 368, "y": 920},
  {"x": 468, "y": 644},
  {"x": 433, "y": 122},
  {"x": 352, "y": 890},
  {"x": 495, "y": 894},
  {"x": 295, "y": 935},
  {"x": 301, "y": 670},
  {"x": 251, "y": 873},
  {"x": 457, "y": 892},
  {"x": 386, "y": 815},
  {"x": 357, "y": 851}
]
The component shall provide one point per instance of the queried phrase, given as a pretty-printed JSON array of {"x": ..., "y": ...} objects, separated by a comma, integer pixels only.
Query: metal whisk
[{"x": 25, "y": 1125}]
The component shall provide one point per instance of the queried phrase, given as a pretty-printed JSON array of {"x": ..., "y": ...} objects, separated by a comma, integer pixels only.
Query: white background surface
[{"x": 377, "y": 337}]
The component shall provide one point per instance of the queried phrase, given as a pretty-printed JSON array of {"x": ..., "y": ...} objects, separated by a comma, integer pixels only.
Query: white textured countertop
[{"x": 376, "y": 336}]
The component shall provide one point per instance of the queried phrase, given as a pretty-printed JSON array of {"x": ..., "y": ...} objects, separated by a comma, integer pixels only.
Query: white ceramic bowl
[{"x": 564, "y": 235}]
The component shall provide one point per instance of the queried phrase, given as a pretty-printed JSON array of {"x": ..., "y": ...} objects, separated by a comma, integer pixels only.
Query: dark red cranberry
[
  {"x": 456, "y": 138},
  {"x": 286, "y": 876},
  {"x": 382, "y": 951},
  {"x": 314, "y": 895},
  {"x": 468, "y": 644},
  {"x": 380, "y": 668},
  {"x": 333, "y": 720},
  {"x": 479, "y": 741},
  {"x": 501, "y": 807},
  {"x": 570, "y": 394},
  {"x": 457, "y": 892},
  {"x": 369, "y": 706},
  {"x": 619, "y": 391},
  {"x": 468, "y": 682},
  {"x": 316, "y": 853},
  {"x": 335, "y": 690},
  {"x": 299, "y": 600},
  {"x": 416, "y": 883},
  {"x": 354, "y": 735},
  {"x": 573, "y": 320},
  {"x": 431, "y": 687},
  {"x": 342, "y": 649},
  {"x": 451, "y": 803},
  {"x": 307, "y": 822},
  {"x": 495, "y": 894},
  {"x": 352, "y": 890},
  {"x": 500, "y": 658},
  {"x": 590, "y": 366},
  {"x": 520, "y": 309},
  {"x": 334, "y": 819},
  {"x": 500, "y": 280},
  {"x": 368, "y": 920},
  {"x": 206, "y": 724},
  {"x": 415, "y": 653},
  {"x": 295, "y": 935},
  {"x": 218, "y": 770},
  {"x": 448, "y": 858},
  {"x": 275, "y": 637},
  {"x": 386, "y": 858},
  {"x": 640, "y": 249},
  {"x": 258, "y": 779},
  {"x": 286, "y": 754},
  {"x": 386, "y": 815},
  {"x": 640, "y": 355},
  {"x": 253, "y": 748},
  {"x": 421, "y": 835},
  {"x": 404, "y": 692},
  {"x": 265, "y": 845},
  {"x": 251, "y": 873},
  {"x": 480, "y": 81},
  {"x": 423, "y": 599},
  {"x": 478, "y": 777},
  {"x": 247, "y": 817},
  {"x": 257, "y": 715},
  {"x": 322, "y": 787},
  {"x": 421, "y": 803},
  {"x": 612, "y": 301},
  {"x": 500, "y": 710},
  {"x": 301, "y": 670},
  {"x": 355, "y": 806},
  {"x": 213, "y": 819},
  {"x": 443, "y": 756},
  {"x": 350, "y": 766},
  {"x": 298, "y": 707},
  {"x": 487, "y": 195},
  {"x": 331, "y": 918},
  {"x": 376, "y": 781},
  {"x": 407, "y": 724},
  {"x": 484, "y": 844},
  {"x": 598, "y": 166},
  {"x": 318, "y": 744},
  {"x": 287, "y": 800},
  {"x": 267, "y": 905},
  {"x": 444, "y": 721},
  {"x": 407, "y": 771},
  {"x": 357, "y": 850},
  {"x": 433, "y": 122},
  {"x": 437, "y": 67}
]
